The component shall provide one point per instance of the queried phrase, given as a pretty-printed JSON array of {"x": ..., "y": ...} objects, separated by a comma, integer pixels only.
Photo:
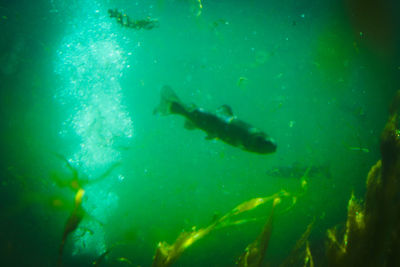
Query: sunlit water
[
  {"x": 314, "y": 76},
  {"x": 90, "y": 64}
]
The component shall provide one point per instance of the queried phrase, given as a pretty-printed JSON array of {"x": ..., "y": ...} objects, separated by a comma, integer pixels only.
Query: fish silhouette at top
[{"x": 222, "y": 124}]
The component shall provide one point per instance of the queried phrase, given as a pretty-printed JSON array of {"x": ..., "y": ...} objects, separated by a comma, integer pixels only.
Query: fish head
[{"x": 263, "y": 144}]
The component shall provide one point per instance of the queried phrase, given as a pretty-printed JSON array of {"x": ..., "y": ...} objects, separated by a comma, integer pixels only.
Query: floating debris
[
  {"x": 361, "y": 149},
  {"x": 241, "y": 81},
  {"x": 125, "y": 21},
  {"x": 219, "y": 22},
  {"x": 196, "y": 7}
]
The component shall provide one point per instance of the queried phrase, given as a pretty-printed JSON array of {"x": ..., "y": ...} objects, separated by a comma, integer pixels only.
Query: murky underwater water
[{"x": 85, "y": 160}]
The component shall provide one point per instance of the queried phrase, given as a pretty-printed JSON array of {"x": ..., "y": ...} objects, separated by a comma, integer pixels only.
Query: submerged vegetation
[
  {"x": 76, "y": 184},
  {"x": 371, "y": 231},
  {"x": 183, "y": 201}
]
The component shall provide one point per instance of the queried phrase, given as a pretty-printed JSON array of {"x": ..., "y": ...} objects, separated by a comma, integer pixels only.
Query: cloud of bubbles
[{"x": 90, "y": 63}]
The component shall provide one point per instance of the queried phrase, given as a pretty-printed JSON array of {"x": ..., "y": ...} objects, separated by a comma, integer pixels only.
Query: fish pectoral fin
[
  {"x": 224, "y": 111},
  {"x": 189, "y": 125}
]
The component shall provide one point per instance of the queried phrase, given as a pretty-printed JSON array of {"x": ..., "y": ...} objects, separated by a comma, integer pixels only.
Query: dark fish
[{"x": 222, "y": 125}]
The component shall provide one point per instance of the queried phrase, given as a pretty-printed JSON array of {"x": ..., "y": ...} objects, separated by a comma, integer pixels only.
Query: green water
[{"x": 316, "y": 76}]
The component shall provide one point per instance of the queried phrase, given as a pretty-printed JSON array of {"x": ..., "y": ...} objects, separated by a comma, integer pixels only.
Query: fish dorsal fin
[{"x": 224, "y": 111}]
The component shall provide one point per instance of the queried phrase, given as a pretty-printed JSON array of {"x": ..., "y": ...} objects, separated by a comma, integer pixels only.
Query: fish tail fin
[{"x": 170, "y": 103}]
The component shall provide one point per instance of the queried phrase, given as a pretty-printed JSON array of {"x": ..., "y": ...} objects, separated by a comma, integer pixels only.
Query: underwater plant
[
  {"x": 75, "y": 183},
  {"x": 372, "y": 229},
  {"x": 73, "y": 221},
  {"x": 167, "y": 254},
  {"x": 255, "y": 252},
  {"x": 298, "y": 255},
  {"x": 371, "y": 234}
]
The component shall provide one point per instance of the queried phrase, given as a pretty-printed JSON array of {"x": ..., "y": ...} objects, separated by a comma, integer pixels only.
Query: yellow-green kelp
[
  {"x": 371, "y": 237},
  {"x": 167, "y": 254},
  {"x": 76, "y": 184}
]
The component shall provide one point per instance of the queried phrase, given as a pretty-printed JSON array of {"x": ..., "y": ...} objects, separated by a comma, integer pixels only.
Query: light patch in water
[{"x": 91, "y": 61}]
